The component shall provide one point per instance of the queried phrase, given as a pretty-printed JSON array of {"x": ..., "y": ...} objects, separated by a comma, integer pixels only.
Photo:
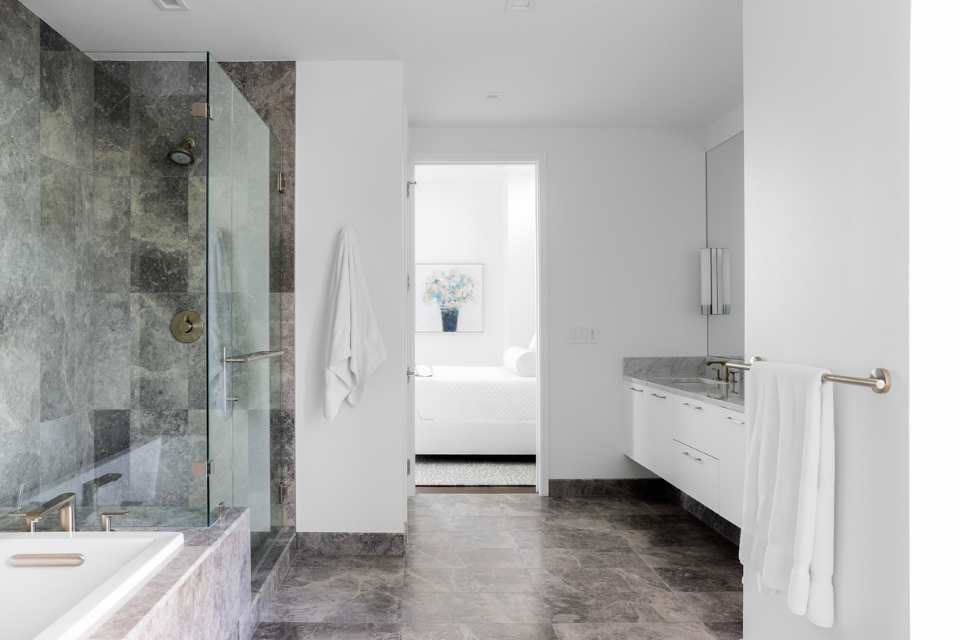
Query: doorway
[{"x": 475, "y": 358}]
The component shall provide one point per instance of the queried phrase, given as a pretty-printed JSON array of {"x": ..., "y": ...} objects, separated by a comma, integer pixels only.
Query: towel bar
[{"x": 878, "y": 380}]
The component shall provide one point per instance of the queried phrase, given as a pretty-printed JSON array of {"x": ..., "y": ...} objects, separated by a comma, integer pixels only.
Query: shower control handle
[{"x": 186, "y": 326}]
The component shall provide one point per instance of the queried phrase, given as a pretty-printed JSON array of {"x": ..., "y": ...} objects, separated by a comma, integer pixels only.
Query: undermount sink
[{"x": 710, "y": 388}]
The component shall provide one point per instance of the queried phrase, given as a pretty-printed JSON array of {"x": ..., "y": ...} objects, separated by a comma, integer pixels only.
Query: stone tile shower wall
[
  {"x": 52, "y": 320},
  {"x": 152, "y": 252},
  {"x": 270, "y": 88},
  {"x": 101, "y": 241}
]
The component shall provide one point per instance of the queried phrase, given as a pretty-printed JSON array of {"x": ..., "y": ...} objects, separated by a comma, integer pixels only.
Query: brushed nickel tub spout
[{"x": 65, "y": 504}]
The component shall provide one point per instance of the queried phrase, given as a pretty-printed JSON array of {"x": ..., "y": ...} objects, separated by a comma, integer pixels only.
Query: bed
[{"x": 475, "y": 411}]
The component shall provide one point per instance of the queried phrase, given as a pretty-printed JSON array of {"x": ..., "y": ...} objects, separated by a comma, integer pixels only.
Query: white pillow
[{"x": 520, "y": 361}]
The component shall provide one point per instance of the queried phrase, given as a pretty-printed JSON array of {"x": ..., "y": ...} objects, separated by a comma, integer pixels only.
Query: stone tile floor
[{"x": 522, "y": 567}]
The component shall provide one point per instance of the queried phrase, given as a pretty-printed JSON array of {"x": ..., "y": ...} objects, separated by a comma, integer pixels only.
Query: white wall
[
  {"x": 723, "y": 128},
  {"x": 461, "y": 218},
  {"x": 825, "y": 115},
  {"x": 480, "y": 214},
  {"x": 350, "y": 142},
  {"x": 622, "y": 215},
  {"x": 934, "y": 339},
  {"x": 520, "y": 273}
]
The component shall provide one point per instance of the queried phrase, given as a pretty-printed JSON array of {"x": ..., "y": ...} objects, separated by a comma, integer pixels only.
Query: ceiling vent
[
  {"x": 519, "y": 5},
  {"x": 171, "y": 5}
]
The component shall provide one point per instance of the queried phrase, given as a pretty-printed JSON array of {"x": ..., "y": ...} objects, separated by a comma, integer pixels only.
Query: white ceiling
[{"x": 567, "y": 63}]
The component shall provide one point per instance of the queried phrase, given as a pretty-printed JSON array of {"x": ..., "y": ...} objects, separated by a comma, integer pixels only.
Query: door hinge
[
  {"x": 411, "y": 184},
  {"x": 408, "y": 282},
  {"x": 408, "y": 466},
  {"x": 209, "y": 467},
  {"x": 201, "y": 110},
  {"x": 281, "y": 182}
]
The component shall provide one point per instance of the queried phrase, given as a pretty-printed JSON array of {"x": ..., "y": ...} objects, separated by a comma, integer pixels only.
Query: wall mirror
[{"x": 721, "y": 266}]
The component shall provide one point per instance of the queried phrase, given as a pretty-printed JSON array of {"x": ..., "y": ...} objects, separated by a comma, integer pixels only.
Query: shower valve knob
[{"x": 186, "y": 326}]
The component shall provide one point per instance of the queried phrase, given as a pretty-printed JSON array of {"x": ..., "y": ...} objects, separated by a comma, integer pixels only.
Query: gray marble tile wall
[
  {"x": 102, "y": 240},
  {"x": 149, "y": 253},
  {"x": 270, "y": 88},
  {"x": 50, "y": 317}
]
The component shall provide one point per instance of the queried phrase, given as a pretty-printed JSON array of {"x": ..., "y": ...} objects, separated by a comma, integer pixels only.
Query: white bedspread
[{"x": 476, "y": 394}]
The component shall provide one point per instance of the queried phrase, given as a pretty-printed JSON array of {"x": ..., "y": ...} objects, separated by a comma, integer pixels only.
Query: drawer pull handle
[
  {"x": 693, "y": 406},
  {"x": 658, "y": 396},
  {"x": 694, "y": 458},
  {"x": 732, "y": 419},
  {"x": 637, "y": 390}
]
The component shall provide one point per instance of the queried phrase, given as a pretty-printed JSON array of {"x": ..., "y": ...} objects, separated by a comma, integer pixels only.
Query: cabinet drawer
[
  {"x": 693, "y": 425},
  {"x": 697, "y": 474}
]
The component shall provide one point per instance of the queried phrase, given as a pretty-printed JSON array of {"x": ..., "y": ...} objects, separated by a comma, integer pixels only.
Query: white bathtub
[{"x": 61, "y": 602}]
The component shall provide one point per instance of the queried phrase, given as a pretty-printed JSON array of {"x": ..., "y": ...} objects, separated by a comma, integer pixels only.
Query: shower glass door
[{"x": 242, "y": 172}]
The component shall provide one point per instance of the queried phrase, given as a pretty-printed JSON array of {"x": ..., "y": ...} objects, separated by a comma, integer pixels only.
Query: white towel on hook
[
  {"x": 354, "y": 347},
  {"x": 786, "y": 543}
]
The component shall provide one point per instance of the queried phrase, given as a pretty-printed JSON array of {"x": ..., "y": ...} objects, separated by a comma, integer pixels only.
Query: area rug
[{"x": 454, "y": 472}]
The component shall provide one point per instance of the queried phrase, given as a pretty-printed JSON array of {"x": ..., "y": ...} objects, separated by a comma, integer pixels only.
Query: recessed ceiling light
[
  {"x": 494, "y": 95},
  {"x": 519, "y": 5},
  {"x": 171, "y": 5}
]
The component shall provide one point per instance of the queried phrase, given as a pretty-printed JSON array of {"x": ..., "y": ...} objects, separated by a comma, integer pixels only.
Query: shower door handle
[
  {"x": 244, "y": 358},
  {"x": 412, "y": 372}
]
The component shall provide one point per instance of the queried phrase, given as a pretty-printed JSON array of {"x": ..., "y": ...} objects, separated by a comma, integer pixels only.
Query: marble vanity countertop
[
  {"x": 733, "y": 401},
  {"x": 658, "y": 372}
]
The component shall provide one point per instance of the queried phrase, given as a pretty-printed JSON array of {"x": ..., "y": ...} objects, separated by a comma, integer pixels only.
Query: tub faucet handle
[{"x": 106, "y": 519}]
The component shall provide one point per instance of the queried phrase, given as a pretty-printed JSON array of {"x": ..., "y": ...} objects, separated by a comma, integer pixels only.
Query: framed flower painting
[{"x": 449, "y": 298}]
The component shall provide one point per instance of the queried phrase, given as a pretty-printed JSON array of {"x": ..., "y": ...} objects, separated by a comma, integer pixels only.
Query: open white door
[{"x": 409, "y": 357}]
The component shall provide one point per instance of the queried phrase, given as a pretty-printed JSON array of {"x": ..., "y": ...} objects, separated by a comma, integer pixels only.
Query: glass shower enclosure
[
  {"x": 150, "y": 371},
  {"x": 243, "y": 196}
]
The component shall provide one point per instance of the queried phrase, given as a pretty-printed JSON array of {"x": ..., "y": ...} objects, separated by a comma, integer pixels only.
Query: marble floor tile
[
  {"x": 522, "y": 567},
  {"x": 726, "y": 630},
  {"x": 639, "y": 631},
  {"x": 482, "y": 631},
  {"x": 320, "y": 631}
]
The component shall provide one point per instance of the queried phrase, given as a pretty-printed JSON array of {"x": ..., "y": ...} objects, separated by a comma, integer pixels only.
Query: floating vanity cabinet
[
  {"x": 650, "y": 428},
  {"x": 732, "y": 429},
  {"x": 693, "y": 444}
]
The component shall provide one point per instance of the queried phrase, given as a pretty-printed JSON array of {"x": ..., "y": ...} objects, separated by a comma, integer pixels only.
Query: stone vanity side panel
[
  {"x": 270, "y": 88},
  {"x": 202, "y": 594},
  {"x": 312, "y": 546}
]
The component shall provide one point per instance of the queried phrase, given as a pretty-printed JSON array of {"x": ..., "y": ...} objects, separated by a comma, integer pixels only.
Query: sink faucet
[
  {"x": 720, "y": 366},
  {"x": 65, "y": 504}
]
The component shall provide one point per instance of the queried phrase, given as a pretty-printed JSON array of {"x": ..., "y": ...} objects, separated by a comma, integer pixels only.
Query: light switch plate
[{"x": 582, "y": 335}]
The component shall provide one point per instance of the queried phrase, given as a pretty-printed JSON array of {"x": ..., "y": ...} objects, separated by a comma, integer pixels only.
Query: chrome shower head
[{"x": 184, "y": 153}]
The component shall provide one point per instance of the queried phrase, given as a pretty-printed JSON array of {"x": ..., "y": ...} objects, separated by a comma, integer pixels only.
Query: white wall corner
[{"x": 723, "y": 128}]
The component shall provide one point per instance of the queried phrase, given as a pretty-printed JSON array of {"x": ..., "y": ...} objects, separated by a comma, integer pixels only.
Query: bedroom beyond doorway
[{"x": 475, "y": 299}]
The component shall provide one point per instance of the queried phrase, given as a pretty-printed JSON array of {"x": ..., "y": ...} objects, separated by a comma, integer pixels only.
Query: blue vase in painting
[{"x": 448, "y": 316}]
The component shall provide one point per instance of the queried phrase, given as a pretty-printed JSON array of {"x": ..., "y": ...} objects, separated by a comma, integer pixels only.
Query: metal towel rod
[{"x": 879, "y": 379}]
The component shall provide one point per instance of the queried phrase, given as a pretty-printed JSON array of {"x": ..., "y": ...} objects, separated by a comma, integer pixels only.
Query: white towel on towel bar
[
  {"x": 786, "y": 543},
  {"x": 354, "y": 347}
]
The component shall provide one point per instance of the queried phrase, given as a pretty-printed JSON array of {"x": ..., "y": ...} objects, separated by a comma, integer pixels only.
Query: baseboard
[
  {"x": 711, "y": 518},
  {"x": 650, "y": 489},
  {"x": 644, "y": 488},
  {"x": 312, "y": 544}
]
